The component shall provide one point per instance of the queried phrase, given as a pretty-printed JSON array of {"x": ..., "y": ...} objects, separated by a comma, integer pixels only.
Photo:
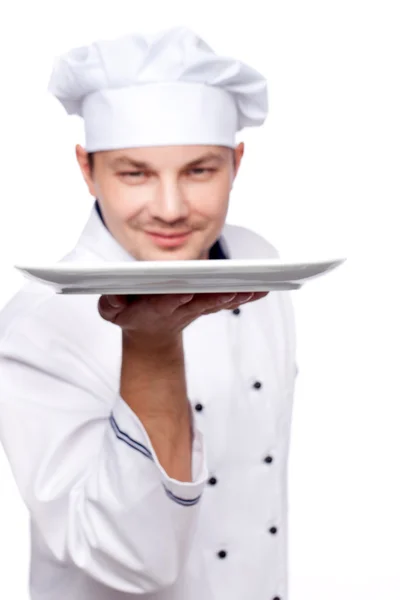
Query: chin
[
  {"x": 172, "y": 256},
  {"x": 165, "y": 255}
]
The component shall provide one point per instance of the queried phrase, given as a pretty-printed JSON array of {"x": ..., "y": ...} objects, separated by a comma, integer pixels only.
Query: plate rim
[{"x": 174, "y": 265}]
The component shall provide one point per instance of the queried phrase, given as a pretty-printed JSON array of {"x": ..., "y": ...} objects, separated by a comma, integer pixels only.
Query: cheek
[
  {"x": 212, "y": 200},
  {"x": 216, "y": 211},
  {"x": 123, "y": 202}
]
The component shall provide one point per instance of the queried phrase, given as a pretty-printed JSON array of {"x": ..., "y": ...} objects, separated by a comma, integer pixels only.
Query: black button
[
  {"x": 199, "y": 407},
  {"x": 236, "y": 311},
  {"x": 276, "y": 598},
  {"x": 257, "y": 385},
  {"x": 268, "y": 459},
  {"x": 222, "y": 554},
  {"x": 212, "y": 480},
  {"x": 273, "y": 530}
]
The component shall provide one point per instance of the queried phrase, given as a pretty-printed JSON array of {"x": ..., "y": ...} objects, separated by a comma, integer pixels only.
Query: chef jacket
[{"x": 106, "y": 521}]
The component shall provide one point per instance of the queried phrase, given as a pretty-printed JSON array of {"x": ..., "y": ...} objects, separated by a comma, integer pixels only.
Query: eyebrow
[{"x": 122, "y": 161}]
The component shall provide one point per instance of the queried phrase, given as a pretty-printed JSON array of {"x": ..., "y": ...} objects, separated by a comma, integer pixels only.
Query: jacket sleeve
[{"x": 87, "y": 472}]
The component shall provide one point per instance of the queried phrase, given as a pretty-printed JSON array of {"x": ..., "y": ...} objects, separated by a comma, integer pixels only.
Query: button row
[
  {"x": 224, "y": 554},
  {"x": 256, "y": 385},
  {"x": 213, "y": 480},
  {"x": 268, "y": 459}
]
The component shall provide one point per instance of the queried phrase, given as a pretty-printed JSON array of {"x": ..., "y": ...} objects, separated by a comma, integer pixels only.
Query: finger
[
  {"x": 259, "y": 295},
  {"x": 250, "y": 298},
  {"x": 167, "y": 304},
  {"x": 150, "y": 308},
  {"x": 242, "y": 298},
  {"x": 119, "y": 301},
  {"x": 110, "y": 306},
  {"x": 239, "y": 299},
  {"x": 206, "y": 304},
  {"x": 203, "y": 303}
]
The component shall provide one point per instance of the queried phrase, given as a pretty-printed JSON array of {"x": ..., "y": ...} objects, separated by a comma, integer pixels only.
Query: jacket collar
[{"x": 98, "y": 240}]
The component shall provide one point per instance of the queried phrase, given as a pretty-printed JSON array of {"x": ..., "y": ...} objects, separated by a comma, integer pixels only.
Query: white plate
[{"x": 173, "y": 277}]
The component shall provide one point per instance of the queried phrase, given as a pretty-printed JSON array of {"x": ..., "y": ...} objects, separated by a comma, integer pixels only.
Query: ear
[
  {"x": 83, "y": 161},
  {"x": 239, "y": 151},
  {"x": 237, "y": 156}
]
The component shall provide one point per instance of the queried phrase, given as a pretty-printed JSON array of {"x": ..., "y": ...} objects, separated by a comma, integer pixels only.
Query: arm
[
  {"x": 91, "y": 478},
  {"x": 153, "y": 385},
  {"x": 83, "y": 461}
]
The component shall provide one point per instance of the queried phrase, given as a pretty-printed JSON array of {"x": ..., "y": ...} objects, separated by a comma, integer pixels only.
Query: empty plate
[{"x": 172, "y": 277}]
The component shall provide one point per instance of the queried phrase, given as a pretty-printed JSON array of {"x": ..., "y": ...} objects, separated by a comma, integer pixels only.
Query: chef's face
[{"x": 163, "y": 203}]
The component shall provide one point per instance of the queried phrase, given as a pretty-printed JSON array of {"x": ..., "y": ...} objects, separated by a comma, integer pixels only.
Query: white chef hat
[{"x": 158, "y": 90}]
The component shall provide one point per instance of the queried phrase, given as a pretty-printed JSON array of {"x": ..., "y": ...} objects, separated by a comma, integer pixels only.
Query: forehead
[{"x": 166, "y": 156}]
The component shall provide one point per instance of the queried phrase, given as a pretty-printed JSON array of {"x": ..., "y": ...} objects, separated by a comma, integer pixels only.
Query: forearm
[{"x": 153, "y": 385}]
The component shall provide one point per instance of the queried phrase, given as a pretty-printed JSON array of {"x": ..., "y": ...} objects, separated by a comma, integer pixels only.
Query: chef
[{"x": 149, "y": 436}]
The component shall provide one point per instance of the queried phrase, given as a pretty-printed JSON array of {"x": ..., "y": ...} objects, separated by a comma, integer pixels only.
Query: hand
[{"x": 157, "y": 319}]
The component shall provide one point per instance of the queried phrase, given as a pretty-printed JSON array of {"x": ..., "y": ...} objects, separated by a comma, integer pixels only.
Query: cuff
[{"x": 129, "y": 429}]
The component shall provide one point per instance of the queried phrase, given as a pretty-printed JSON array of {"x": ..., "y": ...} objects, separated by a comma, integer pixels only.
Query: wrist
[{"x": 155, "y": 345}]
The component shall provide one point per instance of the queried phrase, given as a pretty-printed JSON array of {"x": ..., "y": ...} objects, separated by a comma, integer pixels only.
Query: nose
[{"x": 168, "y": 203}]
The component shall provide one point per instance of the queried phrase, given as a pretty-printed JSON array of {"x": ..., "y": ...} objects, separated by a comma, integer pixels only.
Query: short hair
[{"x": 91, "y": 161}]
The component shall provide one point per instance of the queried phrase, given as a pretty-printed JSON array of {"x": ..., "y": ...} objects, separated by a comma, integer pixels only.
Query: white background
[{"x": 320, "y": 179}]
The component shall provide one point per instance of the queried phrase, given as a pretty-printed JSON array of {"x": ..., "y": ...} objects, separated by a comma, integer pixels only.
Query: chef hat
[{"x": 158, "y": 90}]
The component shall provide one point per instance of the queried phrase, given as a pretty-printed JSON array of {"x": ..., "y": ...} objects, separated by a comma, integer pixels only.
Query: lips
[
  {"x": 168, "y": 240},
  {"x": 168, "y": 235}
]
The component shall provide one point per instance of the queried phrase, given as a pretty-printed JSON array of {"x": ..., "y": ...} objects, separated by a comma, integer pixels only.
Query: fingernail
[
  {"x": 186, "y": 298},
  {"x": 227, "y": 298},
  {"x": 113, "y": 302}
]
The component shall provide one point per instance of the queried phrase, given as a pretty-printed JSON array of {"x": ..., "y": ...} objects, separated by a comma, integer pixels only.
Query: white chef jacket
[{"x": 107, "y": 522}]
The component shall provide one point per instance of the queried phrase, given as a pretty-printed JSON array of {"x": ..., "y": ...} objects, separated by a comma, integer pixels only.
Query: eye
[
  {"x": 133, "y": 174},
  {"x": 200, "y": 171}
]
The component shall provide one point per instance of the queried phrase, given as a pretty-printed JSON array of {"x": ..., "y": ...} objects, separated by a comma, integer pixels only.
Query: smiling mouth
[
  {"x": 168, "y": 240},
  {"x": 168, "y": 235}
]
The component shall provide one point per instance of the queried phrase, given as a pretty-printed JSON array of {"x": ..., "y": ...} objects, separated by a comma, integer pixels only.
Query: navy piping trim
[
  {"x": 182, "y": 501},
  {"x": 124, "y": 437}
]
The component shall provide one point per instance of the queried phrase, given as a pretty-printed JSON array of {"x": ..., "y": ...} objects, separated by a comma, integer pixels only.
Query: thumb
[
  {"x": 115, "y": 301},
  {"x": 110, "y": 306}
]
